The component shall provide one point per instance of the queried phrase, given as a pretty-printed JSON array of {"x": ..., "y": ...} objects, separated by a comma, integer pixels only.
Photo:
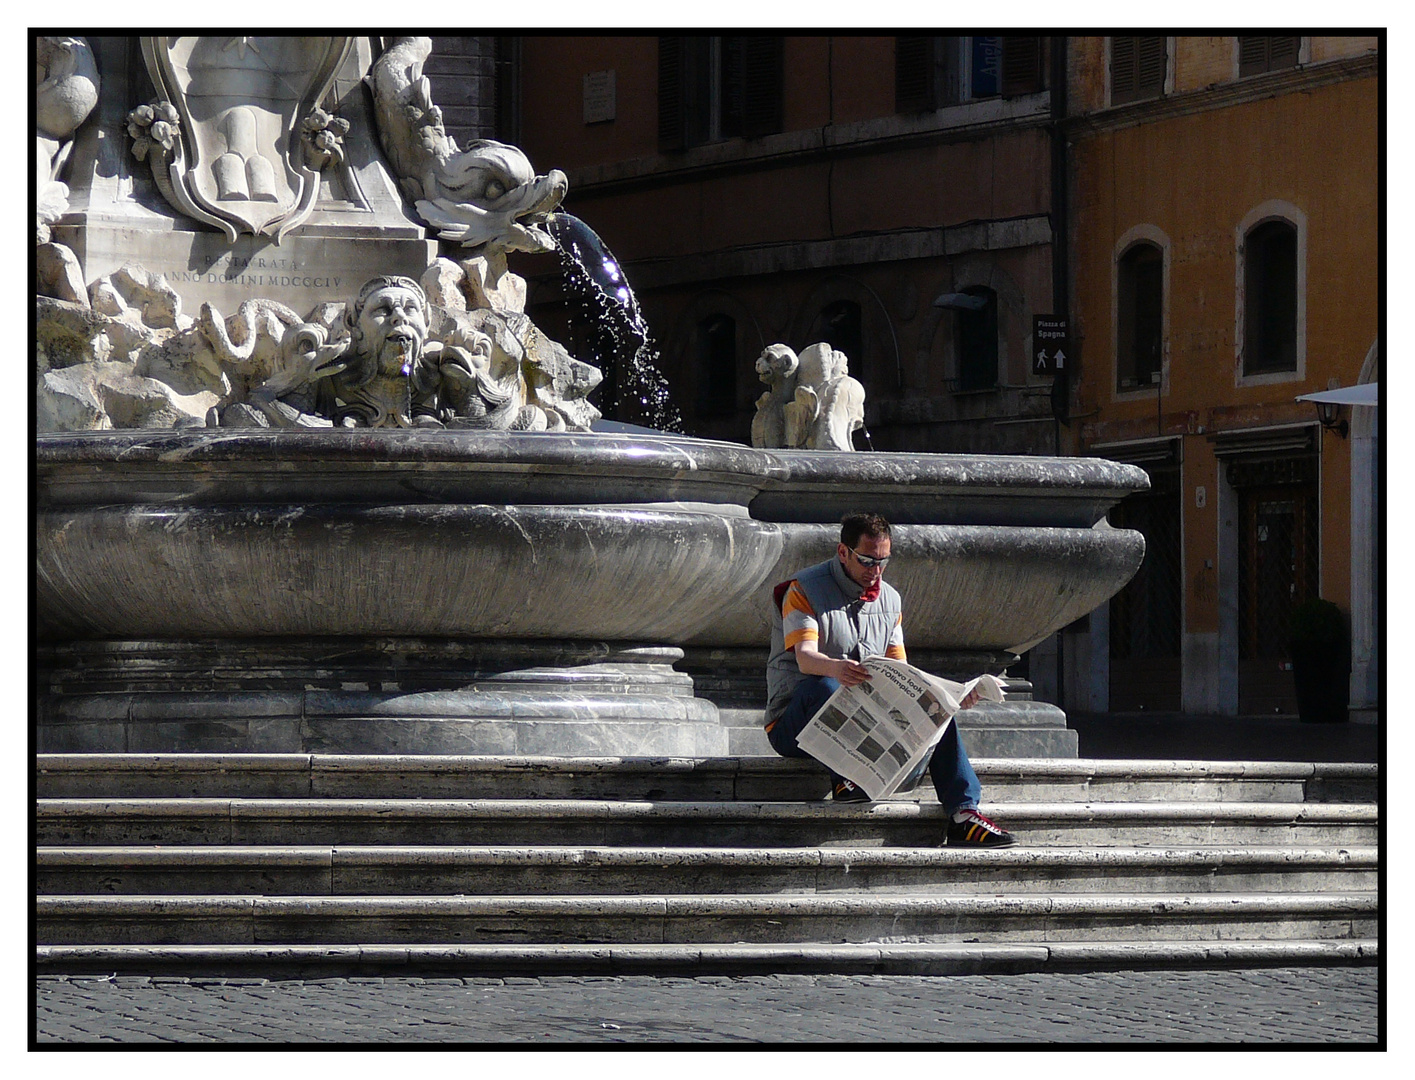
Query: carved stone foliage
[
  {"x": 486, "y": 197},
  {"x": 386, "y": 358},
  {"x": 237, "y": 136},
  {"x": 812, "y": 402}
]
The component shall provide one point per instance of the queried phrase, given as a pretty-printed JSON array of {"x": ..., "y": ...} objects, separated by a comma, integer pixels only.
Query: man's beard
[{"x": 398, "y": 355}]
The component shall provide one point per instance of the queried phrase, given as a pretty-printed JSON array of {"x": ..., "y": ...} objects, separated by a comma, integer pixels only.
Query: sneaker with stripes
[
  {"x": 968, "y": 828},
  {"x": 845, "y": 791}
]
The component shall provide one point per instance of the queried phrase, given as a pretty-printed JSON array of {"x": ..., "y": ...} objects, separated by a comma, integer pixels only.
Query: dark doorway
[
  {"x": 1146, "y": 615},
  {"x": 841, "y": 326},
  {"x": 715, "y": 345},
  {"x": 1278, "y": 568},
  {"x": 977, "y": 342}
]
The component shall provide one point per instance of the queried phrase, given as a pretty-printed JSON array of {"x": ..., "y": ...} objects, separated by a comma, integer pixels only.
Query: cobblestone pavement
[{"x": 1321, "y": 1005}]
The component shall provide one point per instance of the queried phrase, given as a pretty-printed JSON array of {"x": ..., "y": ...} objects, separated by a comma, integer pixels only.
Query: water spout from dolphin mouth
[{"x": 619, "y": 342}]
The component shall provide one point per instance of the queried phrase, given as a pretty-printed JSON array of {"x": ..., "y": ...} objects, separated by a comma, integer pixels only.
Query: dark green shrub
[
  {"x": 1321, "y": 661},
  {"x": 1316, "y": 622}
]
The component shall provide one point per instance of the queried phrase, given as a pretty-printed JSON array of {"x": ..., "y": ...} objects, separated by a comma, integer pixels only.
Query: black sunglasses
[{"x": 867, "y": 561}]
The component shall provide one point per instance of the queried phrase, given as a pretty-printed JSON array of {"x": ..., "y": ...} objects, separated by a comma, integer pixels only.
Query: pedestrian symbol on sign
[{"x": 1051, "y": 344}]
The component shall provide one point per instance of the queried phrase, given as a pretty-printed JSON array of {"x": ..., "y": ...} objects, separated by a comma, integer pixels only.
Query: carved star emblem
[{"x": 241, "y": 44}]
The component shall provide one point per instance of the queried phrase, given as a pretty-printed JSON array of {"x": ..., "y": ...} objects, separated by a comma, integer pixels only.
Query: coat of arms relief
[{"x": 237, "y": 136}]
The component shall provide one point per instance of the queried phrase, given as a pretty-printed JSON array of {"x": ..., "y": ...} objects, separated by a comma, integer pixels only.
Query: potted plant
[{"x": 1320, "y": 647}]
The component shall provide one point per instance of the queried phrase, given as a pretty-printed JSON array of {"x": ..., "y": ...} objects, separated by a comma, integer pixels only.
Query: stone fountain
[{"x": 355, "y": 503}]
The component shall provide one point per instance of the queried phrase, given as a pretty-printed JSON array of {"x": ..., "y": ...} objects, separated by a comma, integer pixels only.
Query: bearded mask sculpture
[{"x": 383, "y": 380}]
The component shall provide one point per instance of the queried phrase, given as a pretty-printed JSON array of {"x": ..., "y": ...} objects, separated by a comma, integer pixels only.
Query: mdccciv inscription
[{"x": 259, "y": 271}]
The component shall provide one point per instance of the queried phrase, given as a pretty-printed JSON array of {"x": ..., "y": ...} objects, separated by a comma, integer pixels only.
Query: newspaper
[{"x": 880, "y": 733}]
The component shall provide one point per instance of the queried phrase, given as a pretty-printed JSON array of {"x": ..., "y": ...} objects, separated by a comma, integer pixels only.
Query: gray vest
[{"x": 848, "y": 628}]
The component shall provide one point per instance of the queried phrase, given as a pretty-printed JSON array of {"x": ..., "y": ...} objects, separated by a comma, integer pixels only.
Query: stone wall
[{"x": 464, "y": 85}]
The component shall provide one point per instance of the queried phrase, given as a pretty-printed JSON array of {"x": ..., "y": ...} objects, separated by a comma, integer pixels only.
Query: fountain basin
[
  {"x": 945, "y": 489},
  {"x": 150, "y": 542}
]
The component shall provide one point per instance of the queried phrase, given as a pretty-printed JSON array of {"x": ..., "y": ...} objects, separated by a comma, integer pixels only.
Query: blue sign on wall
[{"x": 987, "y": 66}]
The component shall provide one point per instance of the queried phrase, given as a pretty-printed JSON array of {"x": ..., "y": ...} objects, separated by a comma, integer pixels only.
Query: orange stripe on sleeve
[
  {"x": 798, "y": 618},
  {"x": 805, "y": 634},
  {"x": 796, "y": 601}
]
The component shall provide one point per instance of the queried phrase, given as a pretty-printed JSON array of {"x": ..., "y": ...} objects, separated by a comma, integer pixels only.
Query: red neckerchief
[{"x": 872, "y": 593}]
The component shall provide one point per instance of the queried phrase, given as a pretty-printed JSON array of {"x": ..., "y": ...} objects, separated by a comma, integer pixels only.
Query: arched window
[
  {"x": 716, "y": 359},
  {"x": 1270, "y": 298},
  {"x": 976, "y": 340},
  {"x": 842, "y": 327},
  {"x": 1139, "y": 345}
]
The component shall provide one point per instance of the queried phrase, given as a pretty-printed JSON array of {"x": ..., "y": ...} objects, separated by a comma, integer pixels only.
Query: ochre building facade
[
  {"x": 1204, "y": 210},
  {"x": 1226, "y": 221}
]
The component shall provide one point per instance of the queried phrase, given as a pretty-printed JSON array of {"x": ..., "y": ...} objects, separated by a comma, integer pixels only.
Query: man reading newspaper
[{"x": 828, "y": 619}]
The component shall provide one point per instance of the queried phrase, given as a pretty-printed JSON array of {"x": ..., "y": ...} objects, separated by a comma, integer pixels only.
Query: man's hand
[
  {"x": 813, "y": 662},
  {"x": 851, "y": 673},
  {"x": 969, "y": 701}
]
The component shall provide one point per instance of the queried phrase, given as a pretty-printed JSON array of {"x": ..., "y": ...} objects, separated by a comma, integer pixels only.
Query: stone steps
[
  {"x": 641, "y": 871},
  {"x": 323, "y": 863},
  {"x": 692, "y": 919},
  {"x": 680, "y": 824},
  {"x": 754, "y": 778},
  {"x": 873, "y": 958},
  {"x": 1024, "y": 729}
]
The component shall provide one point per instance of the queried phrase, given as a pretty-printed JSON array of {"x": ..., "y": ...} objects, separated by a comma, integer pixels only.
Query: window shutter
[
  {"x": 733, "y": 81},
  {"x": 1149, "y": 66},
  {"x": 1282, "y": 52},
  {"x": 1137, "y": 68},
  {"x": 1259, "y": 54},
  {"x": 670, "y": 93},
  {"x": 913, "y": 66},
  {"x": 1122, "y": 69},
  {"x": 1252, "y": 56},
  {"x": 1021, "y": 65},
  {"x": 762, "y": 70}
]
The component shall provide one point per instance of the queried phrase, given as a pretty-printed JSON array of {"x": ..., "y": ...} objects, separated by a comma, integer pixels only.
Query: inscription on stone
[
  {"x": 258, "y": 271},
  {"x": 599, "y": 96},
  {"x": 301, "y": 271}
]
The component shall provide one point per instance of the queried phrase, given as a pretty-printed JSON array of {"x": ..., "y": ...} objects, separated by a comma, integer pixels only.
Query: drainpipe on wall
[
  {"x": 1060, "y": 216},
  {"x": 1060, "y": 281}
]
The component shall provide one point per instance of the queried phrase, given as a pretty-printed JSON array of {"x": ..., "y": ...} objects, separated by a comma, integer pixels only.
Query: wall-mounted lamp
[
  {"x": 1329, "y": 413},
  {"x": 1331, "y": 403}
]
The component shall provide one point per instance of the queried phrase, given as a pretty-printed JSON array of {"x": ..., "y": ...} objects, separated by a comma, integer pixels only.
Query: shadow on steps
[{"x": 1222, "y": 738}]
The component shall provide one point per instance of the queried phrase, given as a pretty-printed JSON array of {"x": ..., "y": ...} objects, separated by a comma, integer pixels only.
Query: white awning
[{"x": 1363, "y": 394}]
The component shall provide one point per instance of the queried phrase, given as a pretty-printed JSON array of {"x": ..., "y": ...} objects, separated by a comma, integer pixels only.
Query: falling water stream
[{"x": 619, "y": 343}]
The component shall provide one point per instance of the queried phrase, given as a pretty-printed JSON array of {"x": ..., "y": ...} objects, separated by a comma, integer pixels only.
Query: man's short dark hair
[{"x": 854, "y": 526}]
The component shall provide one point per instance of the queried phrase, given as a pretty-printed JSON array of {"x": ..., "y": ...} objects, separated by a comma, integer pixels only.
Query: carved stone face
[
  {"x": 392, "y": 328},
  {"x": 775, "y": 363}
]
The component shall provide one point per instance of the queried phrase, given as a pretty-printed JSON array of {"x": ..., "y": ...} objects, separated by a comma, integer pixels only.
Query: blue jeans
[{"x": 953, "y": 777}]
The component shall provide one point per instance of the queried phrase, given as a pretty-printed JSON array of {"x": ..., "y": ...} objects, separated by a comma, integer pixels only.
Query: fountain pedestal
[{"x": 373, "y": 696}]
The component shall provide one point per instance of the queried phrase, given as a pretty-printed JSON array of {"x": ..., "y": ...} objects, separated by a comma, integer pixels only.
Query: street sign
[{"x": 1051, "y": 344}]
